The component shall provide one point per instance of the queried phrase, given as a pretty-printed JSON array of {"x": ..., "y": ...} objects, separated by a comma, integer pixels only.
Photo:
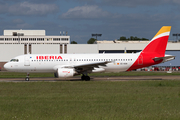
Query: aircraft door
[
  {"x": 140, "y": 60},
  {"x": 26, "y": 61}
]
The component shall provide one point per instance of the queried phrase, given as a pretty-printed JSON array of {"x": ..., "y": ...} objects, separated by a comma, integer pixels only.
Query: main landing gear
[
  {"x": 27, "y": 77},
  {"x": 85, "y": 77}
]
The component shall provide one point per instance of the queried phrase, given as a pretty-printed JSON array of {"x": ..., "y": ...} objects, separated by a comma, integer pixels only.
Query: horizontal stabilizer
[{"x": 165, "y": 58}]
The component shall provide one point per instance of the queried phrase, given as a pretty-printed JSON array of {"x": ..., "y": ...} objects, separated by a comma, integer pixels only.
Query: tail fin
[
  {"x": 154, "y": 52},
  {"x": 159, "y": 42}
]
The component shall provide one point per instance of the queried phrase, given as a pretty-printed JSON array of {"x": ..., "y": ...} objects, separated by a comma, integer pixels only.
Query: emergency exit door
[{"x": 26, "y": 61}]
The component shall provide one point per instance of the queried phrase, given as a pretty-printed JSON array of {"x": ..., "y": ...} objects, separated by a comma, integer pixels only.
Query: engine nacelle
[
  {"x": 64, "y": 72},
  {"x": 98, "y": 70}
]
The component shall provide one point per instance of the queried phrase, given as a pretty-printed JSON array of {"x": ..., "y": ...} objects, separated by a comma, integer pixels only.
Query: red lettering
[
  {"x": 48, "y": 57},
  {"x": 41, "y": 57},
  {"x": 59, "y": 57},
  {"x": 51, "y": 57}
]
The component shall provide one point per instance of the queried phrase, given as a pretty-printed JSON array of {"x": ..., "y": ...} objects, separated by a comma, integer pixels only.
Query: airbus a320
[{"x": 69, "y": 65}]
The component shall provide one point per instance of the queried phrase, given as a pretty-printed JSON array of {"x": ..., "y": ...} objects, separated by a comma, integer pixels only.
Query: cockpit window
[{"x": 14, "y": 60}]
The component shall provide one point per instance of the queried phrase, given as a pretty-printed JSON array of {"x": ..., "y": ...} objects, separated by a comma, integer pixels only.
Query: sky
[{"x": 81, "y": 18}]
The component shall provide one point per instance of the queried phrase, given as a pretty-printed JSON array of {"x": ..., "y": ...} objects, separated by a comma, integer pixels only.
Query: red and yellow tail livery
[{"x": 154, "y": 52}]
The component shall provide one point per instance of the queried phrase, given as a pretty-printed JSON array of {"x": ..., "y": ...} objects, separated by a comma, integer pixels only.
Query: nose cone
[{"x": 7, "y": 66}]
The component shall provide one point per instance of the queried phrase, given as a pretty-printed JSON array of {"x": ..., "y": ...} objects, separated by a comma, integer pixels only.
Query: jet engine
[{"x": 64, "y": 72}]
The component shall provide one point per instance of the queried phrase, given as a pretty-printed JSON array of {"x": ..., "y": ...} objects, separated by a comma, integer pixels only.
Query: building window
[
  {"x": 24, "y": 39},
  {"x": 7, "y": 39},
  {"x": 64, "y": 39},
  {"x": 16, "y": 39},
  {"x": 14, "y": 33},
  {"x": 32, "y": 39},
  {"x": 40, "y": 39},
  {"x": 56, "y": 39}
]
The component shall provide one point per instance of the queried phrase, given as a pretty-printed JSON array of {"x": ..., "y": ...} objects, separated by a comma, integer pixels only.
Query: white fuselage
[{"x": 50, "y": 62}]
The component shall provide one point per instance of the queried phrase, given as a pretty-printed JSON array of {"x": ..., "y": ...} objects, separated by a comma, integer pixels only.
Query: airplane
[{"x": 69, "y": 65}]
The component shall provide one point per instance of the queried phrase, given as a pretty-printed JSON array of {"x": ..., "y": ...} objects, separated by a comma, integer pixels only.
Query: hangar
[{"x": 18, "y": 42}]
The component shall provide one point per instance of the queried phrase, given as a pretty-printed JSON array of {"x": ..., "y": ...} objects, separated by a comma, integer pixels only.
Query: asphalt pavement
[{"x": 78, "y": 78}]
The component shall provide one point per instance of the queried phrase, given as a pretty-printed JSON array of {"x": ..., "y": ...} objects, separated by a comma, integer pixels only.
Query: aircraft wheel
[
  {"x": 83, "y": 77},
  {"x": 27, "y": 79},
  {"x": 87, "y": 78},
  {"x": 55, "y": 75}
]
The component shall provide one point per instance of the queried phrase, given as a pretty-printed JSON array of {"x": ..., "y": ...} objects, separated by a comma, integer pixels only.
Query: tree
[
  {"x": 122, "y": 38},
  {"x": 136, "y": 38},
  {"x": 132, "y": 38},
  {"x": 73, "y": 42},
  {"x": 91, "y": 41}
]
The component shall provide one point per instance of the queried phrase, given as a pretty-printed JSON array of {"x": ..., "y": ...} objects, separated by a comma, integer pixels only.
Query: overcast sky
[{"x": 81, "y": 18}]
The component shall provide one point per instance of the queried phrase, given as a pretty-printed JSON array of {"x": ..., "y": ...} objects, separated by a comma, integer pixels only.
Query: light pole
[{"x": 96, "y": 35}]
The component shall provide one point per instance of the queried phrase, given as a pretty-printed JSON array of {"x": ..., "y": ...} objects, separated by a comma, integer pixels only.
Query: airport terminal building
[{"x": 18, "y": 42}]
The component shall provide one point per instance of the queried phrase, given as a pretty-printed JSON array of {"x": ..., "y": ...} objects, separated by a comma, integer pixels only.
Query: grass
[
  {"x": 132, "y": 73},
  {"x": 136, "y": 73},
  {"x": 100, "y": 100}
]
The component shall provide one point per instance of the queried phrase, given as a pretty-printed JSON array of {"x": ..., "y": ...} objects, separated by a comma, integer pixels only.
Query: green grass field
[{"x": 93, "y": 100}]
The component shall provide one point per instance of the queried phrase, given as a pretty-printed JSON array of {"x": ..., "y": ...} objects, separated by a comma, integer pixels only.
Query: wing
[
  {"x": 88, "y": 68},
  {"x": 165, "y": 58}
]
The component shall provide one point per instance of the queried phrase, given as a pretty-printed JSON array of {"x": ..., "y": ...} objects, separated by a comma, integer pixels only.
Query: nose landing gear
[{"x": 27, "y": 77}]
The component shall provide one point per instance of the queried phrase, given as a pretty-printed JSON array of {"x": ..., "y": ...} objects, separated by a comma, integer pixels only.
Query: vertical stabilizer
[
  {"x": 159, "y": 42},
  {"x": 154, "y": 52}
]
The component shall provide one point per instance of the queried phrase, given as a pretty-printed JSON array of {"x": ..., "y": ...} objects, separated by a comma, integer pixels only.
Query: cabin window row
[
  {"x": 49, "y": 60},
  {"x": 88, "y": 60},
  {"x": 102, "y": 60}
]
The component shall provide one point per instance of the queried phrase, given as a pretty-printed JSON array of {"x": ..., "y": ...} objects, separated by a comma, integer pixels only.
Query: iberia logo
[
  {"x": 48, "y": 57},
  {"x": 65, "y": 71}
]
